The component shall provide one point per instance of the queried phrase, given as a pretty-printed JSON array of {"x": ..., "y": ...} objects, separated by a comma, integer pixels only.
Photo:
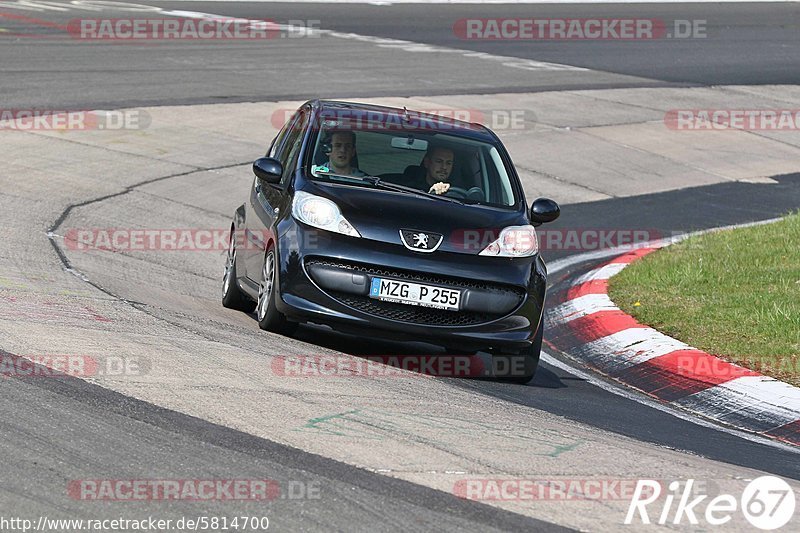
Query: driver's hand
[{"x": 439, "y": 188}]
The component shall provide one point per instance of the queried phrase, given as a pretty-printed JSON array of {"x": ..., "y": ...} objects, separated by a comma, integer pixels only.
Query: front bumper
[{"x": 324, "y": 277}]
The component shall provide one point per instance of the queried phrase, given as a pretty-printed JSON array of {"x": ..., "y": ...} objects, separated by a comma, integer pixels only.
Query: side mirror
[
  {"x": 544, "y": 210},
  {"x": 268, "y": 169}
]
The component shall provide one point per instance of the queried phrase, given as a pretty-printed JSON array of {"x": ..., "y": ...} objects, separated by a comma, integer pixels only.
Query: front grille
[{"x": 412, "y": 313}]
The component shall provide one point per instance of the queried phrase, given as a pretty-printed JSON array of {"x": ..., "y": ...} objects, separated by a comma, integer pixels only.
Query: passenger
[{"x": 340, "y": 157}]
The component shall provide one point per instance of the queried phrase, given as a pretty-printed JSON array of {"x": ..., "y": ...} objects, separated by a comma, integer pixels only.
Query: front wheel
[
  {"x": 520, "y": 368},
  {"x": 269, "y": 318}
]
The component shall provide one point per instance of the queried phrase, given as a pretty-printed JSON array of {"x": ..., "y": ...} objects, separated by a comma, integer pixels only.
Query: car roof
[{"x": 449, "y": 125}]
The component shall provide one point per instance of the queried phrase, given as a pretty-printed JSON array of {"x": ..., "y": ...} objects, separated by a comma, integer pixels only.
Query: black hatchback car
[{"x": 395, "y": 224}]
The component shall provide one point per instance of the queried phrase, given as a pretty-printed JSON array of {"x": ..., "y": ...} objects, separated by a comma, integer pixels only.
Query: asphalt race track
[
  {"x": 746, "y": 44},
  {"x": 201, "y": 398}
]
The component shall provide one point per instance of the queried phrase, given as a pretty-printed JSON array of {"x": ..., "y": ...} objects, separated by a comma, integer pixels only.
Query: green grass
[{"x": 734, "y": 294}]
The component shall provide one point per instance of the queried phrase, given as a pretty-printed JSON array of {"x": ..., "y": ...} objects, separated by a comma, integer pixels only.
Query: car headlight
[
  {"x": 321, "y": 213},
  {"x": 514, "y": 241}
]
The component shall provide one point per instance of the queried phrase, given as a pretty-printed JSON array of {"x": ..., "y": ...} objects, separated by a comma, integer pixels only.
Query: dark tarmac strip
[{"x": 50, "y": 429}]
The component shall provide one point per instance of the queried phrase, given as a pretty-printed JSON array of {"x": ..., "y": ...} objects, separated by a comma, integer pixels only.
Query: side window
[
  {"x": 293, "y": 132},
  {"x": 278, "y": 143},
  {"x": 291, "y": 148}
]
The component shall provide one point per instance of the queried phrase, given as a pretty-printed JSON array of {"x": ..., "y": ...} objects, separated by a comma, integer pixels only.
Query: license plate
[{"x": 404, "y": 292}]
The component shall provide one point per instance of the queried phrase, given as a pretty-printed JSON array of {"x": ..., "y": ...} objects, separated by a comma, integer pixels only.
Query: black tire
[
  {"x": 520, "y": 368},
  {"x": 267, "y": 314},
  {"x": 232, "y": 295}
]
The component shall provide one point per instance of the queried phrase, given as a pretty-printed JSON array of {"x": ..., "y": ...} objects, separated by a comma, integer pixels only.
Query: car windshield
[{"x": 416, "y": 158}]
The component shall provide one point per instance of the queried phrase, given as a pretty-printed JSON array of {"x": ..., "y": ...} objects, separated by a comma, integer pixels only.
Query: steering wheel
[
  {"x": 459, "y": 192},
  {"x": 475, "y": 194}
]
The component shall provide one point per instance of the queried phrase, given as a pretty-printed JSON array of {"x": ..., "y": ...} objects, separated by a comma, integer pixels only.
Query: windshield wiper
[
  {"x": 376, "y": 181},
  {"x": 362, "y": 179}
]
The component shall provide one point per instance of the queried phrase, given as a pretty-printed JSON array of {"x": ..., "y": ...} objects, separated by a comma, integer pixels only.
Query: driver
[
  {"x": 341, "y": 154},
  {"x": 438, "y": 164}
]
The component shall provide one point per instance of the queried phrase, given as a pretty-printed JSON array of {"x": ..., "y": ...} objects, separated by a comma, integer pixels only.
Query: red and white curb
[{"x": 589, "y": 327}]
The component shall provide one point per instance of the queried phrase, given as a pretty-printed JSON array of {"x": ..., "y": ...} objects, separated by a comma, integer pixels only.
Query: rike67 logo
[{"x": 767, "y": 502}]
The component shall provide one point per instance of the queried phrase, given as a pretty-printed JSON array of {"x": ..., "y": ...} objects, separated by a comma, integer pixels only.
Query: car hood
[{"x": 381, "y": 215}]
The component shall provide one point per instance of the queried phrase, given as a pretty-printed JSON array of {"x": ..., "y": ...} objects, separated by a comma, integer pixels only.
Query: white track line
[
  {"x": 582, "y": 306},
  {"x": 604, "y": 272},
  {"x": 390, "y": 2},
  {"x": 748, "y": 397},
  {"x": 640, "y": 345},
  {"x": 400, "y": 44},
  {"x": 664, "y": 408}
]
